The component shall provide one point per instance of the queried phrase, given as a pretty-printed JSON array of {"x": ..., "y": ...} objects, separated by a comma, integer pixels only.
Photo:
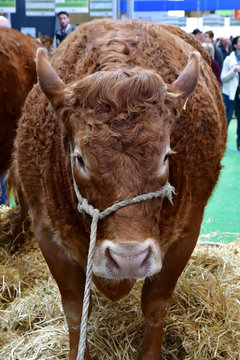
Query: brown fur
[
  {"x": 118, "y": 110},
  {"x": 17, "y": 74}
]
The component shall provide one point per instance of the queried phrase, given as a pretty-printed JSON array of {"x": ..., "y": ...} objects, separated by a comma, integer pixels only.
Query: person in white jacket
[{"x": 230, "y": 77}]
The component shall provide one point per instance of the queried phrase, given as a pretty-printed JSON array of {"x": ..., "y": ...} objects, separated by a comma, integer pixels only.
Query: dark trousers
[{"x": 230, "y": 106}]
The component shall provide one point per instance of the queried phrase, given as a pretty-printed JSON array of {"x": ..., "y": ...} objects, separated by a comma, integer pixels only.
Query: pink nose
[{"x": 127, "y": 263}]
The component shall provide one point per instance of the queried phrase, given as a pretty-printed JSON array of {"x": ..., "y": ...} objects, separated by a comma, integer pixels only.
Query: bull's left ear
[
  {"x": 184, "y": 86},
  {"x": 50, "y": 83}
]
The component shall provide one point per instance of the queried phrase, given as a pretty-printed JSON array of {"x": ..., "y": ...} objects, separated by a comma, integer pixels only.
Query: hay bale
[
  {"x": 13, "y": 230},
  {"x": 202, "y": 323}
]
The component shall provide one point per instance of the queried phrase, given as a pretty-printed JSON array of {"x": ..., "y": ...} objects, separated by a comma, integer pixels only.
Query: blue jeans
[
  {"x": 230, "y": 106},
  {"x": 3, "y": 197}
]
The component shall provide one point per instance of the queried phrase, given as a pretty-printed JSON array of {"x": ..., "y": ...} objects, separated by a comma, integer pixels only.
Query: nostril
[
  {"x": 147, "y": 257},
  {"x": 111, "y": 261}
]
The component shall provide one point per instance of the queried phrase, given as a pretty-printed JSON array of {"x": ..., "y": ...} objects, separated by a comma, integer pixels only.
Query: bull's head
[{"x": 119, "y": 123}]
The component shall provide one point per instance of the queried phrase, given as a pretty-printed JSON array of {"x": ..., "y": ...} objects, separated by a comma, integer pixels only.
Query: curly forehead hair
[{"x": 120, "y": 89}]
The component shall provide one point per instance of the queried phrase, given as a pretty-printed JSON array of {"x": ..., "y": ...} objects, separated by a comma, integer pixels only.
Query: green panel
[
  {"x": 221, "y": 222},
  {"x": 70, "y": 6},
  {"x": 7, "y": 4},
  {"x": 72, "y": 3},
  {"x": 4, "y": 3},
  {"x": 37, "y": 2},
  {"x": 39, "y": 10},
  {"x": 224, "y": 12},
  {"x": 101, "y": 10},
  {"x": 40, "y": 7},
  {"x": 7, "y": 8}
]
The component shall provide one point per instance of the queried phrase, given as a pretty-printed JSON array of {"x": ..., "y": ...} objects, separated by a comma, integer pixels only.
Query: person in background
[
  {"x": 66, "y": 28},
  {"x": 225, "y": 47},
  {"x": 215, "y": 67},
  {"x": 4, "y": 22},
  {"x": 209, "y": 36},
  {"x": 3, "y": 191},
  {"x": 198, "y": 35},
  {"x": 230, "y": 78}
]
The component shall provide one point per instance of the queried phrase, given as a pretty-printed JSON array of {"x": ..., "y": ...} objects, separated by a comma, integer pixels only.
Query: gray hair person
[{"x": 4, "y": 22}]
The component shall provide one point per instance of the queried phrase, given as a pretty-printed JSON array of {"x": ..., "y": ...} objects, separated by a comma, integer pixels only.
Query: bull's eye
[
  {"x": 80, "y": 160},
  {"x": 165, "y": 157},
  {"x": 81, "y": 165}
]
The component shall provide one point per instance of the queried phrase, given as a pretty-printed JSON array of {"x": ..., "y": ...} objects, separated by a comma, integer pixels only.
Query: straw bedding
[{"x": 202, "y": 323}]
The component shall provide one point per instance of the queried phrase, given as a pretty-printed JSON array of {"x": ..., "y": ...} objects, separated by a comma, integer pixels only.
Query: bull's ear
[
  {"x": 184, "y": 86},
  {"x": 50, "y": 83}
]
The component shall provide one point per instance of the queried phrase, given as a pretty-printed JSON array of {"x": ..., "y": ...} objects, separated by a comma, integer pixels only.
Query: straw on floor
[{"x": 203, "y": 321}]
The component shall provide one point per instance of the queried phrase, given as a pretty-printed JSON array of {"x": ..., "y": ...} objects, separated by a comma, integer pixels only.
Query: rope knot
[
  {"x": 82, "y": 205},
  {"x": 85, "y": 207}
]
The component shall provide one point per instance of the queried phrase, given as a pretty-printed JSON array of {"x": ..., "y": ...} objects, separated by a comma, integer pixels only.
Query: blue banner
[{"x": 187, "y": 5}]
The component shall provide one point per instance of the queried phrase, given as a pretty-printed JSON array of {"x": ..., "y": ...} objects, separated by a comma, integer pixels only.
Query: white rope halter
[{"x": 83, "y": 206}]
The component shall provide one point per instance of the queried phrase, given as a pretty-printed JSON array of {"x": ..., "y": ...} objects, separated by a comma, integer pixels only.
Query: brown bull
[
  {"x": 137, "y": 114},
  {"x": 17, "y": 76}
]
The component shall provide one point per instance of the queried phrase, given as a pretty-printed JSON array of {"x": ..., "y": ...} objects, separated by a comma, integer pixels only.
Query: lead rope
[{"x": 83, "y": 206}]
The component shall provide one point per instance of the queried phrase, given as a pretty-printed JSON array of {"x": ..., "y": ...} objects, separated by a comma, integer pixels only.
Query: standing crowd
[{"x": 225, "y": 62}]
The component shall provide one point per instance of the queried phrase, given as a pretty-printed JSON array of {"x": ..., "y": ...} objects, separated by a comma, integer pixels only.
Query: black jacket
[{"x": 61, "y": 34}]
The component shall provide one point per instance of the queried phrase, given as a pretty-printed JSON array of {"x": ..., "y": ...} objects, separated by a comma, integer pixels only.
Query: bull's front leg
[
  {"x": 157, "y": 291},
  {"x": 71, "y": 281},
  {"x": 155, "y": 304}
]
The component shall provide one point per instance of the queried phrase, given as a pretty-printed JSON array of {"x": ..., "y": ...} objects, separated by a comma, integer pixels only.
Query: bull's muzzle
[{"x": 127, "y": 260}]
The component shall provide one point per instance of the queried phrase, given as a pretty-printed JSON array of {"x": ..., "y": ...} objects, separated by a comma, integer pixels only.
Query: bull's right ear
[{"x": 50, "y": 83}]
